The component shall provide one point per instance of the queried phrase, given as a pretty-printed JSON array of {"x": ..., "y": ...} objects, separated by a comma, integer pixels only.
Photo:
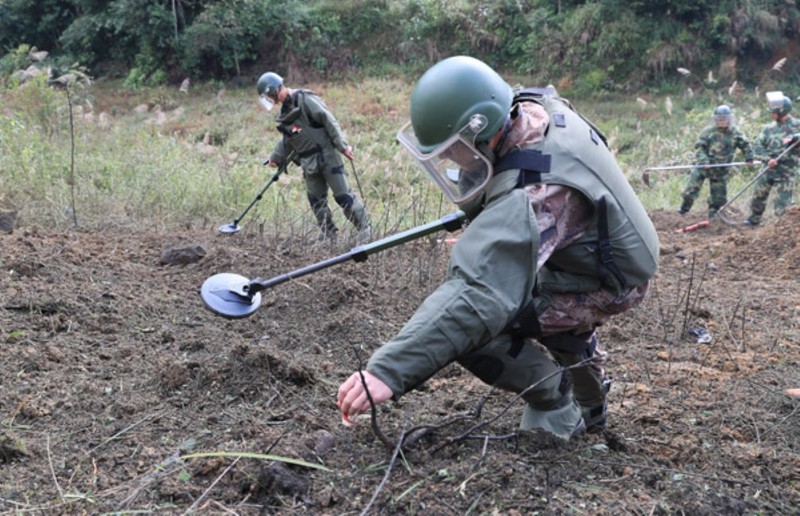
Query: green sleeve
[
  {"x": 490, "y": 277},
  {"x": 701, "y": 149}
]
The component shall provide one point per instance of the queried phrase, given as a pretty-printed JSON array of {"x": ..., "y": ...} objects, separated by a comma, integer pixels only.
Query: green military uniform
[
  {"x": 714, "y": 145},
  {"x": 311, "y": 130},
  {"x": 494, "y": 275},
  {"x": 769, "y": 145}
]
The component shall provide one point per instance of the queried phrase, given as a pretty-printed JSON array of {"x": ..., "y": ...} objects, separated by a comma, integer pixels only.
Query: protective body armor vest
[
  {"x": 622, "y": 241},
  {"x": 303, "y": 135}
]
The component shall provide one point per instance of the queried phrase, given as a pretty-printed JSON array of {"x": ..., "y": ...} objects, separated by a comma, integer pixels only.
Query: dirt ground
[{"x": 120, "y": 392}]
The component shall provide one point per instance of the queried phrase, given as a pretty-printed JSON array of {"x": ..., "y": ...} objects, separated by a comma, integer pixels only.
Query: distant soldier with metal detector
[
  {"x": 557, "y": 244},
  {"x": 716, "y": 144},
  {"x": 313, "y": 133},
  {"x": 769, "y": 146}
]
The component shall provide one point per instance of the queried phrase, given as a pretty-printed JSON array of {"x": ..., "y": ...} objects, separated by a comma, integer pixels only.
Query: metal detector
[
  {"x": 235, "y": 297},
  {"x": 763, "y": 171},
  {"x": 233, "y": 227},
  {"x": 646, "y": 172}
]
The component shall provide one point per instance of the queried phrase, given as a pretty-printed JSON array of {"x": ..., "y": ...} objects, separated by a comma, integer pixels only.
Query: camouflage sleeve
[
  {"x": 319, "y": 113},
  {"x": 701, "y": 156},
  {"x": 761, "y": 146},
  {"x": 743, "y": 144}
]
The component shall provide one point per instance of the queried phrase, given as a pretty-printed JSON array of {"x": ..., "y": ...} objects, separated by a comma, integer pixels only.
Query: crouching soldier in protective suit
[
  {"x": 313, "y": 133},
  {"x": 557, "y": 244}
]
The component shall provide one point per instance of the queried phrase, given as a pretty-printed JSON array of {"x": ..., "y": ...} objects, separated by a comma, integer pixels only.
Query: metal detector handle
[{"x": 450, "y": 223}]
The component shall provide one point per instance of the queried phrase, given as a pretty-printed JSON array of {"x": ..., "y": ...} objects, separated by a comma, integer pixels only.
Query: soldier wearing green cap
[
  {"x": 310, "y": 130},
  {"x": 557, "y": 243},
  {"x": 781, "y": 174}
]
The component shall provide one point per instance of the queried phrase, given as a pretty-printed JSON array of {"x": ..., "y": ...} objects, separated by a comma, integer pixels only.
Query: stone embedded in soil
[
  {"x": 8, "y": 220},
  {"x": 183, "y": 255}
]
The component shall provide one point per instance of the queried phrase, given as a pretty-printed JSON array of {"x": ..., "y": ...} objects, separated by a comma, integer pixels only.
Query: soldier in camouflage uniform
[
  {"x": 313, "y": 133},
  {"x": 556, "y": 245},
  {"x": 772, "y": 141},
  {"x": 716, "y": 144}
]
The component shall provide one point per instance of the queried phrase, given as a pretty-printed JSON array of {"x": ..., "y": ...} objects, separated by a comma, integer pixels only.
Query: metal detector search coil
[{"x": 230, "y": 295}]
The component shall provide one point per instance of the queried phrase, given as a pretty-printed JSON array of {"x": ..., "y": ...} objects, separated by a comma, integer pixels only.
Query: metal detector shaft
[
  {"x": 646, "y": 172},
  {"x": 358, "y": 183},
  {"x": 275, "y": 176},
  {"x": 712, "y": 165},
  {"x": 755, "y": 178},
  {"x": 450, "y": 222}
]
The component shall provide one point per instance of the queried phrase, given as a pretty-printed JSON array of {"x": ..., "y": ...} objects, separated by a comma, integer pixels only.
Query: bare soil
[{"x": 114, "y": 373}]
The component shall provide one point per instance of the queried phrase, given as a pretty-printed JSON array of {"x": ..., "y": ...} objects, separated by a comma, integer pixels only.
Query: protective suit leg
[
  {"x": 351, "y": 206},
  {"x": 528, "y": 367},
  {"x": 317, "y": 192},
  {"x": 589, "y": 383}
]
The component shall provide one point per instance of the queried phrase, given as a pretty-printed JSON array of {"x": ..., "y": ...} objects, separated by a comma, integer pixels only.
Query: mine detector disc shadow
[{"x": 227, "y": 294}]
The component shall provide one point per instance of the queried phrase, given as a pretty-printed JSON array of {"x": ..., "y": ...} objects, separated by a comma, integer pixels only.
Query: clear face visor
[
  {"x": 723, "y": 120},
  {"x": 266, "y": 102},
  {"x": 457, "y": 167},
  {"x": 775, "y": 101}
]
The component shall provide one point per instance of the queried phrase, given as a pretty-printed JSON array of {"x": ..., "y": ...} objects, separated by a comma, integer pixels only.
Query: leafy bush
[{"x": 15, "y": 60}]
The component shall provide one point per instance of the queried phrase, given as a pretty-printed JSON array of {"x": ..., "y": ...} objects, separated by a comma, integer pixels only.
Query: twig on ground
[
  {"x": 386, "y": 475},
  {"x": 52, "y": 471},
  {"x": 420, "y": 431},
  {"x": 373, "y": 419},
  {"x": 208, "y": 490},
  {"x": 124, "y": 430},
  {"x": 376, "y": 429}
]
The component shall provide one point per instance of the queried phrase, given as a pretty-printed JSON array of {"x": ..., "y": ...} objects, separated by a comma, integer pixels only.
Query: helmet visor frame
[{"x": 457, "y": 167}]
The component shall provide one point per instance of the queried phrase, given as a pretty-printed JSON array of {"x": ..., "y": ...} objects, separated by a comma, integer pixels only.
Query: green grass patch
[{"x": 165, "y": 159}]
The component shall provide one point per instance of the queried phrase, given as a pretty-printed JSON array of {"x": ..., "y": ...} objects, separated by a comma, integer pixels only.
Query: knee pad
[
  {"x": 344, "y": 200},
  {"x": 315, "y": 201}
]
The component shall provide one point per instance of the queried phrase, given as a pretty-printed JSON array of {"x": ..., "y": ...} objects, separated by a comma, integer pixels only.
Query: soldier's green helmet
[
  {"x": 779, "y": 103},
  {"x": 269, "y": 84},
  {"x": 450, "y": 94}
]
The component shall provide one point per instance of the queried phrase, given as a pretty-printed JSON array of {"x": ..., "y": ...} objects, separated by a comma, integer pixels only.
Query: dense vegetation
[{"x": 587, "y": 45}]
